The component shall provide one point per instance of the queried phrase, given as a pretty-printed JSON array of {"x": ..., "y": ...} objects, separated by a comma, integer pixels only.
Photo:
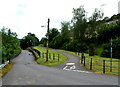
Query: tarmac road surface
[{"x": 26, "y": 71}]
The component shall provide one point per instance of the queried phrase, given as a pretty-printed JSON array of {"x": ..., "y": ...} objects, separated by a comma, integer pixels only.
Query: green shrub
[
  {"x": 115, "y": 51},
  {"x": 98, "y": 51},
  {"x": 105, "y": 53},
  {"x": 10, "y": 44}
]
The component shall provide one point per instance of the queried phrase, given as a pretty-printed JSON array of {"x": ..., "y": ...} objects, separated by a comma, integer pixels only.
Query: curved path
[
  {"x": 71, "y": 59},
  {"x": 26, "y": 72}
]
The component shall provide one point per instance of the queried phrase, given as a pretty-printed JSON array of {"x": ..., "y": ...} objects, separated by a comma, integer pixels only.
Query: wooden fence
[
  {"x": 101, "y": 65},
  {"x": 53, "y": 56}
]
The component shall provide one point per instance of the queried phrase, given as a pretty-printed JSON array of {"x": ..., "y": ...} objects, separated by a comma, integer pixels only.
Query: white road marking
[
  {"x": 65, "y": 67},
  {"x": 72, "y": 68},
  {"x": 70, "y": 63}
]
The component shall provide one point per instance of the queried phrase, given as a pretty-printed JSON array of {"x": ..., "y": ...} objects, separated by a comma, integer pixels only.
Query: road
[
  {"x": 27, "y": 72},
  {"x": 71, "y": 59}
]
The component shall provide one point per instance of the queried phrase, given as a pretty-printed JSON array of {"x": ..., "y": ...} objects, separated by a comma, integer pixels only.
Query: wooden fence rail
[
  {"x": 104, "y": 65},
  {"x": 53, "y": 56}
]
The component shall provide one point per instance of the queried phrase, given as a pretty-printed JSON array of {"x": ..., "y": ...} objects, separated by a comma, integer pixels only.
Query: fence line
[
  {"x": 103, "y": 64},
  {"x": 53, "y": 56}
]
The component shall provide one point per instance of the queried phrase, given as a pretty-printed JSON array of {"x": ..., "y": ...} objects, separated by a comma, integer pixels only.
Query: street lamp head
[{"x": 43, "y": 26}]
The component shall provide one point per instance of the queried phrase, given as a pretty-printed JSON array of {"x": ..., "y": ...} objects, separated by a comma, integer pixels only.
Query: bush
[
  {"x": 115, "y": 51},
  {"x": 10, "y": 44},
  {"x": 105, "y": 53},
  {"x": 75, "y": 46},
  {"x": 98, "y": 51}
]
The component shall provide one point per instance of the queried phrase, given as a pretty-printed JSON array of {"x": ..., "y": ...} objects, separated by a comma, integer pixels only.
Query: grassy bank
[
  {"x": 51, "y": 62},
  {"x": 97, "y": 64},
  {"x": 6, "y": 69}
]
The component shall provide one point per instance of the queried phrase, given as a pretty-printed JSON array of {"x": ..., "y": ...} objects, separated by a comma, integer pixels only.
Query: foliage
[
  {"x": 115, "y": 48},
  {"x": 52, "y": 33},
  {"x": 28, "y": 41},
  {"x": 10, "y": 44},
  {"x": 43, "y": 41},
  {"x": 88, "y": 34},
  {"x": 79, "y": 23},
  {"x": 56, "y": 42},
  {"x": 65, "y": 26},
  {"x": 109, "y": 31},
  {"x": 75, "y": 46}
]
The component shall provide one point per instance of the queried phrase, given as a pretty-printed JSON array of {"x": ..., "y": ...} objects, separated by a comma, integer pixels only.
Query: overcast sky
[{"x": 23, "y": 16}]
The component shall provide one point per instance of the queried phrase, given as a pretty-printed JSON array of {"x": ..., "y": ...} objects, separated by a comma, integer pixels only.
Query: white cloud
[{"x": 24, "y": 16}]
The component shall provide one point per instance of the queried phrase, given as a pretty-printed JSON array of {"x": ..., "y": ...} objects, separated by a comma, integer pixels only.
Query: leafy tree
[
  {"x": 108, "y": 31},
  {"x": 79, "y": 23},
  {"x": 43, "y": 41},
  {"x": 65, "y": 33},
  {"x": 28, "y": 41},
  {"x": 52, "y": 33},
  {"x": 115, "y": 46},
  {"x": 56, "y": 42},
  {"x": 10, "y": 44},
  {"x": 93, "y": 26}
]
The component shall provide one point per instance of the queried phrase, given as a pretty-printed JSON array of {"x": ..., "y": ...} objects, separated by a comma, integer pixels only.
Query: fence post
[
  {"x": 76, "y": 53},
  {"x": 111, "y": 65},
  {"x": 81, "y": 60},
  {"x": 49, "y": 55},
  {"x": 91, "y": 64},
  {"x": 103, "y": 66},
  {"x": 58, "y": 57},
  {"x": 53, "y": 56},
  {"x": 82, "y": 55},
  {"x": 43, "y": 54},
  {"x": 84, "y": 60}
]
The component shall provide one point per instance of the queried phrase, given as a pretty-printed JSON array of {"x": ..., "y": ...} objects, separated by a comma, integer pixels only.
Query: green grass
[
  {"x": 98, "y": 64},
  {"x": 50, "y": 62}
]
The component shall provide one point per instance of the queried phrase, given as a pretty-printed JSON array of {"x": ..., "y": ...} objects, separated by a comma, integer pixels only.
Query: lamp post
[
  {"x": 47, "y": 47},
  {"x": 47, "y": 40}
]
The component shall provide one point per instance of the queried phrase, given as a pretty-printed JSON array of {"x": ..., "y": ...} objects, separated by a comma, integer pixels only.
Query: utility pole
[
  {"x": 111, "y": 55},
  {"x": 47, "y": 40}
]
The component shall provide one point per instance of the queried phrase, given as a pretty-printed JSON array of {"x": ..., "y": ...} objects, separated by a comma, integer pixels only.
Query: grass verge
[
  {"x": 51, "y": 62},
  {"x": 97, "y": 64},
  {"x": 5, "y": 69}
]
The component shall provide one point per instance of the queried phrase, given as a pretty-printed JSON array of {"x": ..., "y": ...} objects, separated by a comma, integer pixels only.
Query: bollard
[
  {"x": 53, "y": 56},
  {"x": 82, "y": 55},
  {"x": 84, "y": 60},
  {"x": 78, "y": 53},
  {"x": 103, "y": 66},
  {"x": 91, "y": 64},
  {"x": 43, "y": 54},
  {"x": 81, "y": 60},
  {"x": 58, "y": 57},
  {"x": 49, "y": 55}
]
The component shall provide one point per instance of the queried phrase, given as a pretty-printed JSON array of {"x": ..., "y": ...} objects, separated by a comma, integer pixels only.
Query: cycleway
[{"x": 26, "y": 71}]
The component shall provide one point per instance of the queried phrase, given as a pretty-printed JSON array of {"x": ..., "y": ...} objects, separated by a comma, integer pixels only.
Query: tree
[
  {"x": 108, "y": 31},
  {"x": 43, "y": 41},
  {"x": 28, "y": 41},
  {"x": 56, "y": 43},
  {"x": 79, "y": 23},
  {"x": 65, "y": 32},
  {"x": 10, "y": 44},
  {"x": 93, "y": 26},
  {"x": 52, "y": 33}
]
